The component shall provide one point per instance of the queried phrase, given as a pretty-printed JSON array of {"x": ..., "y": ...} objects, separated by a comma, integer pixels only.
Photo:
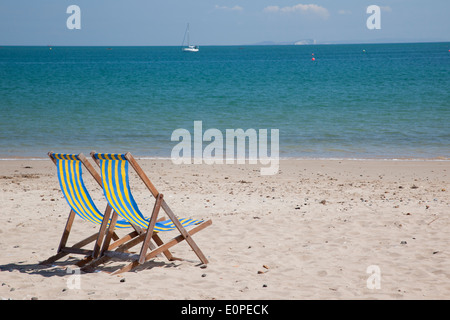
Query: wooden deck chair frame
[
  {"x": 99, "y": 236},
  {"x": 146, "y": 252}
]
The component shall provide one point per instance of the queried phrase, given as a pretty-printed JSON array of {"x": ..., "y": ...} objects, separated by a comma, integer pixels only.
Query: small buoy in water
[
  {"x": 313, "y": 53},
  {"x": 364, "y": 50},
  {"x": 313, "y": 59}
]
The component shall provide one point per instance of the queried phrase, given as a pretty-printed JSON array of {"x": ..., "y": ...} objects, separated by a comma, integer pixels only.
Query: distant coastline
[{"x": 318, "y": 42}]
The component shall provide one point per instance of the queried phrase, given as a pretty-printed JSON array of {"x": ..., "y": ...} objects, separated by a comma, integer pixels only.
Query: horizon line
[{"x": 262, "y": 43}]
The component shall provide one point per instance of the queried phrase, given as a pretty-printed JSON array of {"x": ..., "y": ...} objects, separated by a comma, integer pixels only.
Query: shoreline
[{"x": 246, "y": 159}]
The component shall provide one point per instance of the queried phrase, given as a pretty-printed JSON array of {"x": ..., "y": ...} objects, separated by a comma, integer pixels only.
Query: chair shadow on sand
[{"x": 68, "y": 267}]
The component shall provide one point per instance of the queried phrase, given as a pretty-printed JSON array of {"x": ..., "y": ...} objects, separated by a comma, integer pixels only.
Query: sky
[{"x": 220, "y": 22}]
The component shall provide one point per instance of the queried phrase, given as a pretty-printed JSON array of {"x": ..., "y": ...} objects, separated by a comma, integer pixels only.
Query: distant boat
[{"x": 189, "y": 48}]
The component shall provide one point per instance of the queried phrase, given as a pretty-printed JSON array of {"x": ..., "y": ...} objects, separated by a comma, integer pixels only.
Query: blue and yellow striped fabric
[
  {"x": 114, "y": 171},
  {"x": 75, "y": 192}
]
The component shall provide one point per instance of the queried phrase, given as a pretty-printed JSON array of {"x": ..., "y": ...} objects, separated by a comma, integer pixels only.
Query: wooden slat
[
  {"x": 150, "y": 228},
  {"x": 159, "y": 242},
  {"x": 164, "y": 247},
  {"x": 91, "y": 169},
  {"x": 77, "y": 250},
  {"x": 142, "y": 174},
  {"x": 184, "y": 233},
  {"x": 122, "y": 240},
  {"x": 67, "y": 228},
  {"x": 86, "y": 241},
  {"x": 101, "y": 233},
  {"x": 110, "y": 232},
  {"x": 177, "y": 239}
]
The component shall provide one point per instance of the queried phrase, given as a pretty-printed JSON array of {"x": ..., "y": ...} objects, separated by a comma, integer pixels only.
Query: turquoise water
[{"x": 353, "y": 101}]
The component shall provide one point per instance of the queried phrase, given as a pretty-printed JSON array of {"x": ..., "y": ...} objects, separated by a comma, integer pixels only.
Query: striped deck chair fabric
[
  {"x": 114, "y": 172},
  {"x": 69, "y": 169}
]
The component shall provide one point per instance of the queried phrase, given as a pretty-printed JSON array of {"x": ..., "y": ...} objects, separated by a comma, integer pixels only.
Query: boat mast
[{"x": 188, "y": 42}]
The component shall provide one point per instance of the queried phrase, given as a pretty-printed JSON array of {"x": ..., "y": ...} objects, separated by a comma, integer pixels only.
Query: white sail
[{"x": 189, "y": 48}]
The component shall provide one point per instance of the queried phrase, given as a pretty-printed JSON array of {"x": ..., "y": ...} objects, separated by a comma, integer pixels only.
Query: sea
[{"x": 355, "y": 101}]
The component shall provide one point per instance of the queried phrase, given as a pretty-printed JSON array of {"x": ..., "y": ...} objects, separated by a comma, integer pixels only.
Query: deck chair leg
[
  {"x": 163, "y": 248},
  {"x": 150, "y": 228},
  {"x": 110, "y": 232},
  {"x": 184, "y": 233},
  {"x": 101, "y": 233},
  {"x": 133, "y": 238},
  {"x": 107, "y": 241},
  {"x": 63, "y": 240},
  {"x": 98, "y": 243},
  {"x": 122, "y": 244},
  {"x": 67, "y": 229},
  {"x": 111, "y": 235}
]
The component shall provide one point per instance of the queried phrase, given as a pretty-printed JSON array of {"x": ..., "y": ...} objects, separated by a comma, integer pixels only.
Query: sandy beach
[{"x": 315, "y": 230}]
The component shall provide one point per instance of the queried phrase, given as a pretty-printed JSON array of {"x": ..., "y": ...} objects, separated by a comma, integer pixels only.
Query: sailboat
[{"x": 189, "y": 48}]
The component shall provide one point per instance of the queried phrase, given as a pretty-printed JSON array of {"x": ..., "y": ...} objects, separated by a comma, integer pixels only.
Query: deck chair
[
  {"x": 116, "y": 187},
  {"x": 69, "y": 168}
]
